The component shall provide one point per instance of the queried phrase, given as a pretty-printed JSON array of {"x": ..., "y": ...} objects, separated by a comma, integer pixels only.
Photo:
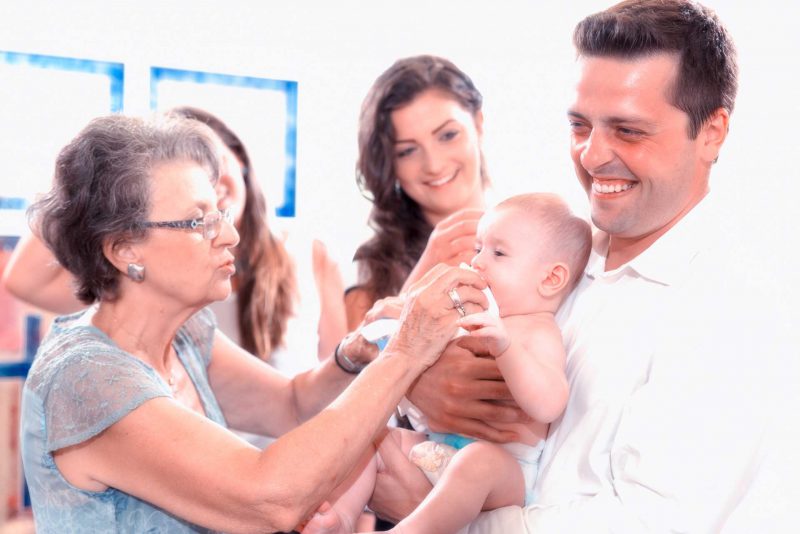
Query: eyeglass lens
[{"x": 212, "y": 222}]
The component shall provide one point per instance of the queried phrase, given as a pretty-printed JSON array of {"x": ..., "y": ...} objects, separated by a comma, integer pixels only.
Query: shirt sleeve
[{"x": 92, "y": 389}]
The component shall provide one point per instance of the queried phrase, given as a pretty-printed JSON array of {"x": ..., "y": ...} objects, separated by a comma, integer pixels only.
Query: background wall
[{"x": 518, "y": 53}]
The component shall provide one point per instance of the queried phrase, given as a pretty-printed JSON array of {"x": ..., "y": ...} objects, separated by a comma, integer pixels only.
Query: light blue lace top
[{"x": 80, "y": 384}]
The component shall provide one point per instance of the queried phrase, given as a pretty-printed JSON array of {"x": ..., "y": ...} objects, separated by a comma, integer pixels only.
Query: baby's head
[{"x": 532, "y": 250}]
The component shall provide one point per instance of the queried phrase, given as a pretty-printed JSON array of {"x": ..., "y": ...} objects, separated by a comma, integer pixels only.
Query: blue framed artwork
[
  {"x": 262, "y": 112},
  {"x": 44, "y": 101}
]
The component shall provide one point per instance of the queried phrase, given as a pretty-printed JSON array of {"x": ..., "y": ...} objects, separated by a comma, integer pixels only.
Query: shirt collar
[{"x": 668, "y": 259}]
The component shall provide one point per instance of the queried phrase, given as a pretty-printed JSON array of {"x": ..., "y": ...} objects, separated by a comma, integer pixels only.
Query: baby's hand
[{"x": 489, "y": 330}]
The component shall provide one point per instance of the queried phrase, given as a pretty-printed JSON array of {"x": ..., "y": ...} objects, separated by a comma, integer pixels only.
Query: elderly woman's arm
[
  {"x": 178, "y": 460},
  {"x": 249, "y": 404}
]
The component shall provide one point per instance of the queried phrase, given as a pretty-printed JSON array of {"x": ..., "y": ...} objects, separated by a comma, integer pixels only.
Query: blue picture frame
[
  {"x": 286, "y": 87},
  {"x": 114, "y": 71}
]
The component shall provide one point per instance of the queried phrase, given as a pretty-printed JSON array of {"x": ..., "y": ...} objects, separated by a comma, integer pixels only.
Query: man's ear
[
  {"x": 713, "y": 134},
  {"x": 120, "y": 254},
  {"x": 556, "y": 278}
]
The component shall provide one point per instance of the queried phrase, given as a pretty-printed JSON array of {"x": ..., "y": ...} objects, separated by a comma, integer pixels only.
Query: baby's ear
[{"x": 556, "y": 278}]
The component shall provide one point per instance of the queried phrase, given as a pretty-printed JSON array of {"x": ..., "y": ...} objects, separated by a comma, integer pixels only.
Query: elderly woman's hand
[
  {"x": 431, "y": 310},
  {"x": 355, "y": 347}
]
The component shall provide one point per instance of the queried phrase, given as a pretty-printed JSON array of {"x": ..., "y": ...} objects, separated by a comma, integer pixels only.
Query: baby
[{"x": 531, "y": 250}]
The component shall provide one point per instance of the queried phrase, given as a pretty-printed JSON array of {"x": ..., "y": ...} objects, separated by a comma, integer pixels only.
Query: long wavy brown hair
[
  {"x": 266, "y": 285},
  {"x": 401, "y": 231}
]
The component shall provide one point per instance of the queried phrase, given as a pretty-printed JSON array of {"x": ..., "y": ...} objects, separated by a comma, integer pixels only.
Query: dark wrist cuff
[{"x": 346, "y": 364}]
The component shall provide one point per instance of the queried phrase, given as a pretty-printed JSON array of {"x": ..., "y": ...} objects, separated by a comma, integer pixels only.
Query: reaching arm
[
  {"x": 357, "y": 302},
  {"x": 332, "y": 324},
  {"x": 34, "y": 276},
  {"x": 178, "y": 460}
]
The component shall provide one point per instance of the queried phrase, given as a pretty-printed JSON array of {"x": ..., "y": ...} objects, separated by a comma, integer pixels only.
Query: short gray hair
[{"x": 101, "y": 191}]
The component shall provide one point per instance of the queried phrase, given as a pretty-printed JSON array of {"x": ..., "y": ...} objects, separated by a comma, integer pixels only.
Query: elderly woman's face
[
  {"x": 437, "y": 154},
  {"x": 181, "y": 263}
]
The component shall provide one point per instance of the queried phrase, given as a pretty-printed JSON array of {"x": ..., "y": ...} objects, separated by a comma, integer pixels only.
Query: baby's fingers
[{"x": 478, "y": 320}]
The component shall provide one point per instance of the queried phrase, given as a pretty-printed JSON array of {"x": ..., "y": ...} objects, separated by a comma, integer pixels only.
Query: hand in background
[
  {"x": 451, "y": 242},
  {"x": 332, "y": 324}
]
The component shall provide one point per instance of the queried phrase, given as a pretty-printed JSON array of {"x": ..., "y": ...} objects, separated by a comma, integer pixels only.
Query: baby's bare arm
[{"x": 533, "y": 365}]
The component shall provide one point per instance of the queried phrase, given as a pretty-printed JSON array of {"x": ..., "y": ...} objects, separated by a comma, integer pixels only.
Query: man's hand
[
  {"x": 460, "y": 394},
  {"x": 400, "y": 485}
]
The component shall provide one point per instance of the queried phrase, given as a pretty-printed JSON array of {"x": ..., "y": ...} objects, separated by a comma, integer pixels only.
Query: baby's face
[{"x": 508, "y": 256}]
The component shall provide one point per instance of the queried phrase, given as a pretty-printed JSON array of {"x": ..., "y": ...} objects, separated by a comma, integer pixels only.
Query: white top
[
  {"x": 299, "y": 352},
  {"x": 671, "y": 363}
]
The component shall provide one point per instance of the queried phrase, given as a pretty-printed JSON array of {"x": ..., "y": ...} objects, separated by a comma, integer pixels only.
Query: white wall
[{"x": 518, "y": 53}]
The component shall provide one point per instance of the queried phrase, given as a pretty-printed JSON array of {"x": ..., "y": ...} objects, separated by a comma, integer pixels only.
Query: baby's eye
[{"x": 499, "y": 252}]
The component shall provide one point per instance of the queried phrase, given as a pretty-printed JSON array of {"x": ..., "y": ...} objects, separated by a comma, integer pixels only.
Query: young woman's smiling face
[{"x": 437, "y": 158}]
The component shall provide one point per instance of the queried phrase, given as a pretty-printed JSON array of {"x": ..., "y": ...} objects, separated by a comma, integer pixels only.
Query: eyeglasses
[{"x": 211, "y": 223}]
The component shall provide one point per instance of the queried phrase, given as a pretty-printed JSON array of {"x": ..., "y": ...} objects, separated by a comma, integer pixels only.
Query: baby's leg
[
  {"x": 347, "y": 501},
  {"x": 481, "y": 476}
]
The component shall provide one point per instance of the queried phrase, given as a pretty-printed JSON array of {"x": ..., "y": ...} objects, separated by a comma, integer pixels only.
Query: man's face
[{"x": 631, "y": 147}]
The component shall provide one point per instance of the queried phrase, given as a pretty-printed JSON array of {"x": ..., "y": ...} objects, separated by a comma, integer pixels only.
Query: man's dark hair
[{"x": 707, "y": 68}]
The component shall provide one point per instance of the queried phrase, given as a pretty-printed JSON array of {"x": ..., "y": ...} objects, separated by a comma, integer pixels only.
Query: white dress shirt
[{"x": 673, "y": 365}]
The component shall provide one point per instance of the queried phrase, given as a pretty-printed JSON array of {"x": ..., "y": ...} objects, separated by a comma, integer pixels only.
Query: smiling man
[
  {"x": 671, "y": 346},
  {"x": 669, "y": 357}
]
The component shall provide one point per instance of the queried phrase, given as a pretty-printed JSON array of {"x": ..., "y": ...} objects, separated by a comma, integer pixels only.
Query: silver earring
[
  {"x": 397, "y": 188},
  {"x": 136, "y": 272}
]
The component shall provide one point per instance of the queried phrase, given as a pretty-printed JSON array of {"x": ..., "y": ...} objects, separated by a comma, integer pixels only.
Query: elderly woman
[{"x": 125, "y": 410}]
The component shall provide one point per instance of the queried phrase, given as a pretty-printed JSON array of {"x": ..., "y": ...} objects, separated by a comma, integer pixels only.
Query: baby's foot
[{"x": 326, "y": 521}]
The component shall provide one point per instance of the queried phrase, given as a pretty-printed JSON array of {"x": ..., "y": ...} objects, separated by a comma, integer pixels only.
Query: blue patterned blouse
[{"x": 80, "y": 384}]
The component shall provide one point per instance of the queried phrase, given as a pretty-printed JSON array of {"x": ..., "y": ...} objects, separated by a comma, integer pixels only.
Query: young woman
[{"x": 421, "y": 165}]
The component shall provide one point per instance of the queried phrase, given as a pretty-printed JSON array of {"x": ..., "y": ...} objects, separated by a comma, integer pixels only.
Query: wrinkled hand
[
  {"x": 464, "y": 393},
  {"x": 428, "y": 319},
  {"x": 451, "y": 242},
  {"x": 488, "y": 332}
]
